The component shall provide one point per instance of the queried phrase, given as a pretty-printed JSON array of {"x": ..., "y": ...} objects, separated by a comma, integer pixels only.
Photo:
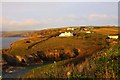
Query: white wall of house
[
  {"x": 114, "y": 37},
  {"x": 66, "y": 34},
  {"x": 88, "y": 32},
  {"x": 70, "y": 28}
]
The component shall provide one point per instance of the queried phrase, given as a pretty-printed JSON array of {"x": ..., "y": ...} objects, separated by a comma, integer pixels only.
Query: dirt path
[{"x": 29, "y": 47}]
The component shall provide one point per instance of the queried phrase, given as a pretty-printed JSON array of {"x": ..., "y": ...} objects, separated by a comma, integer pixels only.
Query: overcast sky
[{"x": 40, "y": 15}]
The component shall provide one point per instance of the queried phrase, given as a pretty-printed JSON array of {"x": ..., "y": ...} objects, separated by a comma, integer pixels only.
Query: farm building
[
  {"x": 88, "y": 32},
  {"x": 113, "y": 36},
  {"x": 70, "y": 28},
  {"x": 66, "y": 34}
]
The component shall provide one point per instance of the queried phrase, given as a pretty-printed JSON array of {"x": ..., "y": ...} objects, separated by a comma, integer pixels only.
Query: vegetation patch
[{"x": 103, "y": 64}]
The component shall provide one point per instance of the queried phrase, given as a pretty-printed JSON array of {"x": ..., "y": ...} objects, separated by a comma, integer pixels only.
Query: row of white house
[{"x": 68, "y": 34}]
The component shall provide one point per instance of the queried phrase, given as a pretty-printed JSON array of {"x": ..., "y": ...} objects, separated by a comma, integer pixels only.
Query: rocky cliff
[{"x": 41, "y": 56}]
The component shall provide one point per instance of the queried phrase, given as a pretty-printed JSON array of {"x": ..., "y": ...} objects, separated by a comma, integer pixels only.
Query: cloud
[
  {"x": 70, "y": 20},
  {"x": 11, "y": 24},
  {"x": 100, "y": 17},
  {"x": 17, "y": 23}
]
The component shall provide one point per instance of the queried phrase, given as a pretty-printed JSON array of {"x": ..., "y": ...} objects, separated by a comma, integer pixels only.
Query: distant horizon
[{"x": 61, "y": 27}]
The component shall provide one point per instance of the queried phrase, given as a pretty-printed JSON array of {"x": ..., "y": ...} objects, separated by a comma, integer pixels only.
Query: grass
[
  {"x": 41, "y": 44},
  {"x": 103, "y": 64},
  {"x": 107, "y": 30},
  {"x": 20, "y": 47}
]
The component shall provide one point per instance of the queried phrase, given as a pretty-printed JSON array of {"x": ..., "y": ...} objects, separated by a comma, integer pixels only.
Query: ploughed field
[{"x": 72, "y": 55}]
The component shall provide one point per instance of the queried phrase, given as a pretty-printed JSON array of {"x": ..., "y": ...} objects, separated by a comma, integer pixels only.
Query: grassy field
[
  {"x": 83, "y": 42},
  {"x": 107, "y": 30}
]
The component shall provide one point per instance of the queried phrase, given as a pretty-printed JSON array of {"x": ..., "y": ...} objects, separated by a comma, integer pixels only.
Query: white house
[
  {"x": 88, "y": 32},
  {"x": 66, "y": 34},
  {"x": 70, "y": 28},
  {"x": 114, "y": 36}
]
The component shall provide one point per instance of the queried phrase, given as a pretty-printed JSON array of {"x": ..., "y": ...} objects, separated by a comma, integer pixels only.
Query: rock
[
  {"x": 55, "y": 54},
  {"x": 76, "y": 51},
  {"x": 4, "y": 61},
  {"x": 19, "y": 58},
  {"x": 11, "y": 60}
]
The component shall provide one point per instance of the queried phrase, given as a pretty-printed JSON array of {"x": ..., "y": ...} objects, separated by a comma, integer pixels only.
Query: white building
[
  {"x": 114, "y": 36},
  {"x": 66, "y": 34},
  {"x": 70, "y": 28},
  {"x": 88, "y": 32}
]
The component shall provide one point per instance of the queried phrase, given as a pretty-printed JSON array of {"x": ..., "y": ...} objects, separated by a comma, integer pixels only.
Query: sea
[{"x": 5, "y": 42}]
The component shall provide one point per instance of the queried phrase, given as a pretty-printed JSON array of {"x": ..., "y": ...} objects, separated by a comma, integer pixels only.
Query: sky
[
  {"x": 42, "y": 15},
  {"x": 59, "y": 0}
]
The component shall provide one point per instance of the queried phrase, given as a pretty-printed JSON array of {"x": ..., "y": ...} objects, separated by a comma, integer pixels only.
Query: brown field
[{"x": 107, "y": 30}]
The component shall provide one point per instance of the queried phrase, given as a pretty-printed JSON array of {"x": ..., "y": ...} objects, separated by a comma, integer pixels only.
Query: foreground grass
[{"x": 104, "y": 64}]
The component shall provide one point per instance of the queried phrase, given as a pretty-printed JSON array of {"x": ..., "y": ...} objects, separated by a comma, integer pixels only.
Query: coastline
[{"x": 19, "y": 71}]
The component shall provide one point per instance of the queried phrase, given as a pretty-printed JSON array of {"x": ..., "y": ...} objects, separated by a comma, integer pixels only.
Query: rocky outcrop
[
  {"x": 57, "y": 54},
  {"x": 21, "y": 60},
  {"x": 39, "y": 57},
  {"x": 10, "y": 59}
]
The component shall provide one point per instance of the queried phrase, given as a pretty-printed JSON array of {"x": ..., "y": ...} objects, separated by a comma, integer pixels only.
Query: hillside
[
  {"x": 48, "y": 43},
  {"x": 103, "y": 64},
  {"x": 68, "y": 52},
  {"x": 57, "y": 48},
  {"x": 16, "y": 33},
  {"x": 46, "y": 32}
]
